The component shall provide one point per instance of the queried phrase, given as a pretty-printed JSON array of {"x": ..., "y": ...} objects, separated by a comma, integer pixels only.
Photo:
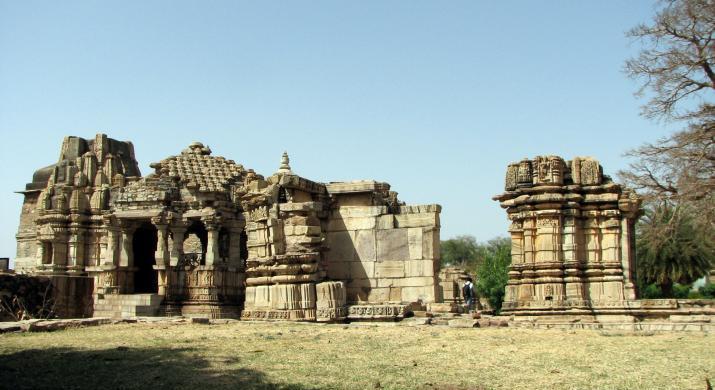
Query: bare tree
[
  {"x": 676, "y": 63},
  {"x": 677, "y": 173}
]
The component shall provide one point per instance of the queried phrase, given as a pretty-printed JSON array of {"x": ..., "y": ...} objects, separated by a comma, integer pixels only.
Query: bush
[
  {"x": 493, "y": 273},
  {"x": 708, "y": 291},
  {"x": 25, "y": 297}
]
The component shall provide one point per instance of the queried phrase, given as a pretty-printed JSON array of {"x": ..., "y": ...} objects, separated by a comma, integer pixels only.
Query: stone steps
[{"x": 127, "y": 305}]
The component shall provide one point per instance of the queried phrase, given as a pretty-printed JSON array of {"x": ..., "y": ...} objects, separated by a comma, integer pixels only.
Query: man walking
[{"x": 468, "y": 294}]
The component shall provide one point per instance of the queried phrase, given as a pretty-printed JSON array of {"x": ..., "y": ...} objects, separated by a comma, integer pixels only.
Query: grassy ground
[{"x": 306, "y": 356}]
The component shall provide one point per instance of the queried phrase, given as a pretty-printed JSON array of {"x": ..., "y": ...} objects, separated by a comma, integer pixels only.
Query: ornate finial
[
  {"x": 197, "y": 148},
  {"x": 285, "y": 164}
]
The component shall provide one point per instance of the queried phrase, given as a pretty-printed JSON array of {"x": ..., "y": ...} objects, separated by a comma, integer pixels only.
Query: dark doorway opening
[{"x": 144, "y": 246}]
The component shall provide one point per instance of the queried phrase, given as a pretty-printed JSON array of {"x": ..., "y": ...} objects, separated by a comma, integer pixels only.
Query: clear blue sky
[{"x": 435, "y": 98}]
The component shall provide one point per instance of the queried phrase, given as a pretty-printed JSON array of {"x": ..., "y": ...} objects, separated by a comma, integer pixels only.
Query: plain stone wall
[
  {"x": 26, "y": 239},
  {"x": 384, "y": 257}
]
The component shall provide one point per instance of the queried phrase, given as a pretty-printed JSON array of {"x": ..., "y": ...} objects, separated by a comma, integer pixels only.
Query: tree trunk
[{"x": 666, "y": 288}]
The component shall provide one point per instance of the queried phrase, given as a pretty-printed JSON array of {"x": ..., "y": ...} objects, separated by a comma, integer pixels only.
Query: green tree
[
  {"x": 461, "y": 251},
  {"x": 493, "y": 272},
  {"x": 670, "y": 249}
]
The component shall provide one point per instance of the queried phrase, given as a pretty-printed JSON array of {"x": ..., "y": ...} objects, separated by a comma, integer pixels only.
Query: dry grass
[{"x": 279, "y": 355}]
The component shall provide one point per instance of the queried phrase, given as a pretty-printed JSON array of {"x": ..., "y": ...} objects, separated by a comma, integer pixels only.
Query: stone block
[
  {"x": 430, "y": 243},
  {"x": 440, "y": 307},
  {"x": 379, "y": 295},
  {"x": 417, "y": 220},
  {"x": 341, "y": 246},
  {"x": 414, "y": 242},
  {"x": 463, "y": 323},
  {"x": 419, "y": 268},
  {"x": 390, "y": 269},
  {"x": 359, "y": 211},
  {"x": 262, "y": 296},
  {"x": 361, "y": 270},
  {"x": 365, "y": 245},
  {"x": 392, "y": 245},
  {"x": 420, "y": 321},
  {"x": 357, "y": 223},
  {"x": 414, "y": 294},
  {"x": 363, "y": 283},
  {"x": 386, "y": 221},
  {"x": 338, "y": 270}
]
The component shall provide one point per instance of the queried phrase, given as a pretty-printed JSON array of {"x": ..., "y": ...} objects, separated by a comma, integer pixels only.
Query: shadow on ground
[{"x": 126, "y": 368}]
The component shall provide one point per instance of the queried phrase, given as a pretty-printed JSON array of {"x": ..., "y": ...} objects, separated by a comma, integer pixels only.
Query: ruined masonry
[{"x": 204, "y": 236}]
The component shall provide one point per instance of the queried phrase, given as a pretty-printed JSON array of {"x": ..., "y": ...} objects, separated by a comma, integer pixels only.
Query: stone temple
[
  {"x": 573, "y": 250},
  {"x": 204, "y": 236}
]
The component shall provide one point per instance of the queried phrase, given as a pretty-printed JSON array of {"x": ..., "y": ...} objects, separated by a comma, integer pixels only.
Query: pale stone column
[
  {"x": 234, "y": 246},
  {"x": 110, "y": 257},
  {"x": 75, "y": 256},
  {"x": 212, "y": 254},
  {"x": 162, "y": 251},
  {"x": 548, "y": 232},
  {"x": 177, "y": 243},
  {"x": 40, "y": 257},
  {"x": 529, "y": 239},
  {"x": 72, "y": 249},
  {"x": 59, "y": 250},
  {"x": 627, "y": 258},
  {"x": 517, "y": 242},
  {"x": 571, "y": 255},
  {"x": 126, "y": 255}
]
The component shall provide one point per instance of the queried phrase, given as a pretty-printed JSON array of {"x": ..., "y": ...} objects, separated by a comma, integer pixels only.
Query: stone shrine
[
  {"x": 204, "y": 236},
  {"x": 572, "y": 234}
]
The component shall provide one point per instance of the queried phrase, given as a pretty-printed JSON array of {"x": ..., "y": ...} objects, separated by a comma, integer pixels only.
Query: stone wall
[{"x": 384, "y": 255}]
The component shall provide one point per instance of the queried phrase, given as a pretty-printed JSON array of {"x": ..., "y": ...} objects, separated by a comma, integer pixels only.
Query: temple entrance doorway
[{"x": 144, "y": 246}]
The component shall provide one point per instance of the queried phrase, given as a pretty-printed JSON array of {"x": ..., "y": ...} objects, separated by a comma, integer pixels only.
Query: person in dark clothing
[{"x": 468, "y": 294}]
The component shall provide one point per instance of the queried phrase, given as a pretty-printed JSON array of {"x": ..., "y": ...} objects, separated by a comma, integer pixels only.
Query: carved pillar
[
  {"x": 571, "y": 254},
  {"x": 234, "y": 246},
  {"x": 126, "y": 254},
  {"x": 59, "y": 250},
  {"x": 110, "y": 256},
  {"x": 162, "y": 251},
  {"x": 212, "y": 230},
  {"x": 40, "y": 257},
  {"x": 76, "y": 246},
  {"x": 177, "y": 243},
  {"x": 548, "y": 232},
  {"x": 627, "y": 257},
  {"x": 529, "y": 239},
  {"x": 517, "y": 242}
]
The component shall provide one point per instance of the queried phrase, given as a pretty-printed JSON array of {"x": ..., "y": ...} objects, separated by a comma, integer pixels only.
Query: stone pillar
[
  {"x": 529, "y": 239},
  {"x": 110, "y": 255},
  {"x": 571, "y": 250},
  {"x": 162, "y": 250},
  {"x": 59, "y": 250},
  {"x": 177, "y": 243},
  {"x": 517, "y": 242},
  {"x": 40, "y": 257},
  {"x": 76, "y": 255},
  {"x": 126, "y": 255},
  {"x": 234, "y": 246},
  {"x": 627, "y": 258},
  {"x": 548, "y": 232},
  {"x": 212, "y": 230}
]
